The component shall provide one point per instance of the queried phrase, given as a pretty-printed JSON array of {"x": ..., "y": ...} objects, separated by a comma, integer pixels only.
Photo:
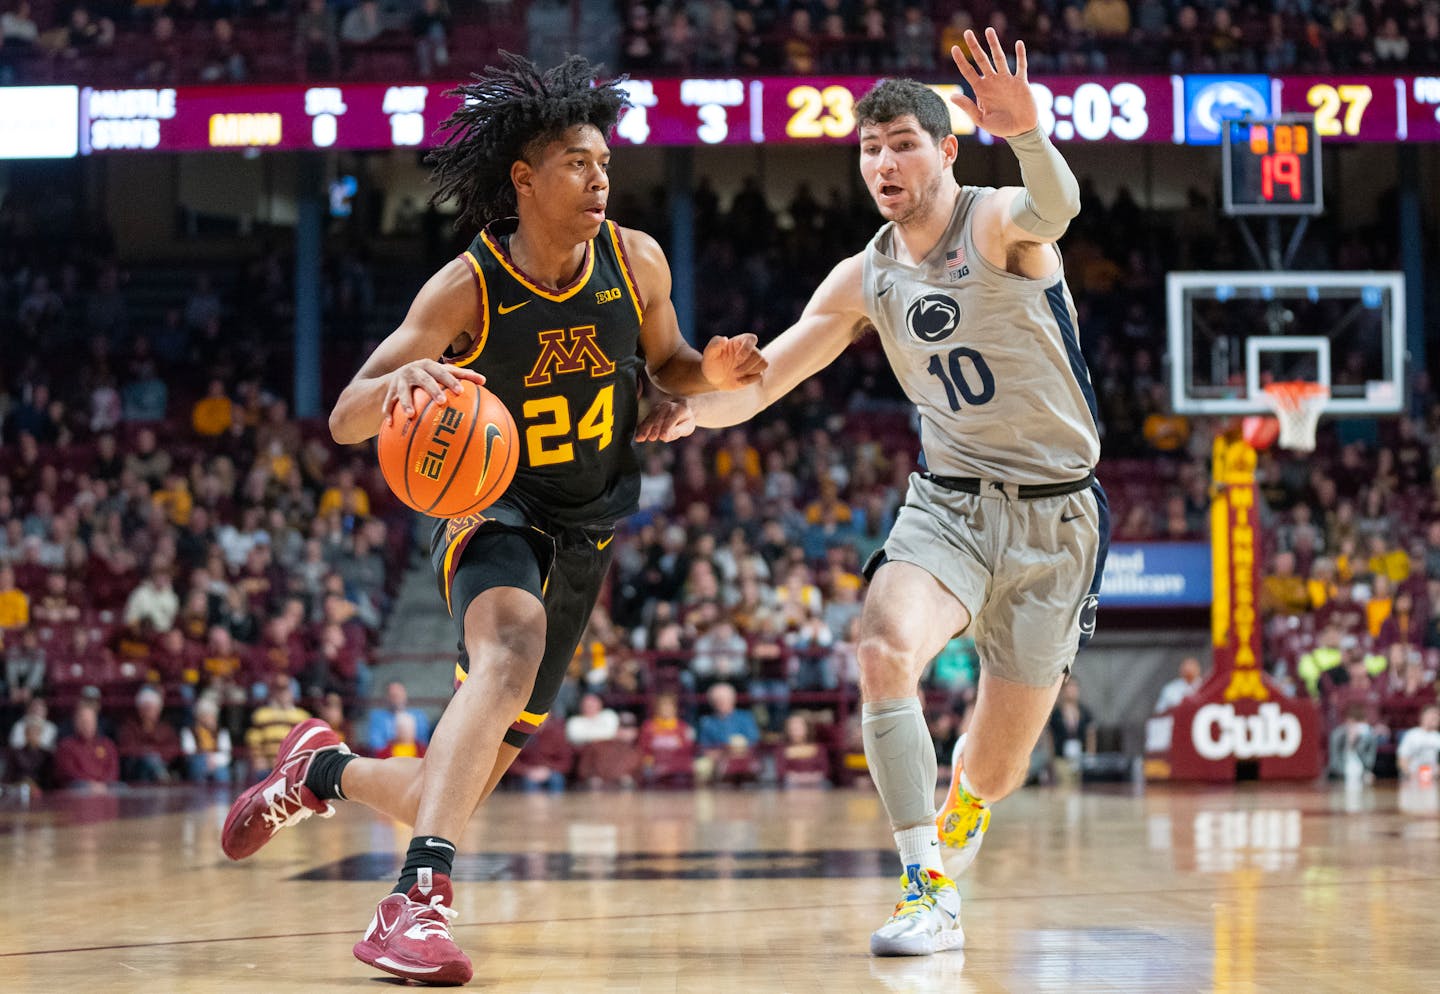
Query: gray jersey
[{"x": 992, "y": 360}]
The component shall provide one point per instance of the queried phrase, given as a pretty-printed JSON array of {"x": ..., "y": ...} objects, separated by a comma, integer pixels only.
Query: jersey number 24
[{"x": 549, "y": 419}]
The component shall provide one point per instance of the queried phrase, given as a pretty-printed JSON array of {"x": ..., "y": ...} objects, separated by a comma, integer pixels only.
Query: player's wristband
[{"x": 1052, "y": 196}]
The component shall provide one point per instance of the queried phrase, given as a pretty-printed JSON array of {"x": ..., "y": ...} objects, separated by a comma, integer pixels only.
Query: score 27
[{"x": 1327, "y": 99}]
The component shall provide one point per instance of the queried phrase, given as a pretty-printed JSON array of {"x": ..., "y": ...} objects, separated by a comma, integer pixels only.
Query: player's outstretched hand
[
  {"x": 731, "y": 363},
  {"x": 435, "y": 378},
  {"x": 1003, "y": 104},
  {"x": 667, "y": 421}
]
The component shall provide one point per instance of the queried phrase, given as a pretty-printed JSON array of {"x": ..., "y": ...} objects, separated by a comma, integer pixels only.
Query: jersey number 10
[{"x": 957, "y": 384}]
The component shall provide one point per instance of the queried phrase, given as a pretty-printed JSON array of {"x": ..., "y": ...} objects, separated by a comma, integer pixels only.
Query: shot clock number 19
[{"x": 1272, "y": 166}]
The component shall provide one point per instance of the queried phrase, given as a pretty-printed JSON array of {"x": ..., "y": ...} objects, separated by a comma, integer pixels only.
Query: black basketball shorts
[{"x": 505, "y": 547}]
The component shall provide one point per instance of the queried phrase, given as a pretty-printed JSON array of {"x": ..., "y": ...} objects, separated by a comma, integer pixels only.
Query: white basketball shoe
[{"x": 927, "y": 919}]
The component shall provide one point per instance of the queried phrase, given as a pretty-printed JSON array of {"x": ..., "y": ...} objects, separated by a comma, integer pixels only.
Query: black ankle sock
[
  {"x": 323, "y": 777},
  {"x": 425, "y": 851}
]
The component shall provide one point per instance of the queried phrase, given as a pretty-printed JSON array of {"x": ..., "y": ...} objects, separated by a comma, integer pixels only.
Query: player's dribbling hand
[
  {"x": 435, "y": 378},
  {"x": 667, "y": 421},
  {"x": 731, "y": 363},
  {"x": 1003, "y": 104}
]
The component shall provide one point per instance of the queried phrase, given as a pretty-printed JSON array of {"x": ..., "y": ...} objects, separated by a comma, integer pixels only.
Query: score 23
[{"x": 1092, "y": 112}]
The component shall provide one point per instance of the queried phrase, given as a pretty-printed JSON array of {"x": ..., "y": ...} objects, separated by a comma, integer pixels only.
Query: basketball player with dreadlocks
[{"x": 556, "y": 309}]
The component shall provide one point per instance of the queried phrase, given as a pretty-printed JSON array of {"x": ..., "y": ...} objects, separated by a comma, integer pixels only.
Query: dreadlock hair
[{"x": 508, "y": 112}]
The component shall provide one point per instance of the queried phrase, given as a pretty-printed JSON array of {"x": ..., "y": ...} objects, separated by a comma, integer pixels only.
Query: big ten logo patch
[
  {"x": 443, "y": 431},
  {"x": 605, "y": 296},
  {"x": 572, "y": 351}
]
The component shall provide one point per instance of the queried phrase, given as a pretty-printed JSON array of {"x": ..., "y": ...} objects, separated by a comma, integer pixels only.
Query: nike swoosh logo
[
  {"x": 884, "y": 290},
  {"x": 492, "y": 432},
  {"x": 436, "y": 844},
  {"x": 1064, "y": 519},
  {"x": 881, "y": 735},
  {"x": 506, "y": 310},
  {"x": 385, "y": 927},
  {"x": 604, "y": 542}
]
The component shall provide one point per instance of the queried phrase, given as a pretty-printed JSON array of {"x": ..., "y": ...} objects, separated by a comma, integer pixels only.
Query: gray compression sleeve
[
  {"x": 1051, "y": 197},
  {"x": 901, "y": 756}
]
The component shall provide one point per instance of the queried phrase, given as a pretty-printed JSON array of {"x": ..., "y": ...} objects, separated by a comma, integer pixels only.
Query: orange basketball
[
  {"x": 1260, "y": 431},
  {"x": 453, "y": 458}
]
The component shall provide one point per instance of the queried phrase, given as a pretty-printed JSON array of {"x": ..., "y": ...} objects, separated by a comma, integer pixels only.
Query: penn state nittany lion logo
[
  {"x": 1089, "y": 607},
  {"x": 933, "y": 317}
]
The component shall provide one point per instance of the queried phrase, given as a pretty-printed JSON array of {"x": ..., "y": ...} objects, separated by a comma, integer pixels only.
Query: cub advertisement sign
[{"x": 1237, "y": 715}]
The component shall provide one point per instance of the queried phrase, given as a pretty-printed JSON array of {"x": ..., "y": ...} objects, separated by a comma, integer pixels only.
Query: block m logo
[{"x": 580, "y": 354}]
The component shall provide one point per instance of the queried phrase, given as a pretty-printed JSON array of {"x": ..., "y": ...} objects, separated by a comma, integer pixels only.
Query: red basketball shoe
[
  {"x": 410, "y": 935},
  {"x": 281, "y": 799}
]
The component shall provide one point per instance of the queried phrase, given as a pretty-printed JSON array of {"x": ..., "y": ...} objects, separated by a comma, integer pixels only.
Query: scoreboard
[
  {"x": 200, "y": 118},
  {"x": 1125, "y": 109},
  {"x": 1273, "y": 166}
]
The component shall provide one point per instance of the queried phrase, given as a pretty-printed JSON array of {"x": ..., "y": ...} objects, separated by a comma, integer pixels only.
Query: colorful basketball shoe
[
  {"x": 281, "y": 799},
  {"x": 963, "y": 820},
  {"x": 410, "y": 935},
  {"x": 927, "y": 919}
]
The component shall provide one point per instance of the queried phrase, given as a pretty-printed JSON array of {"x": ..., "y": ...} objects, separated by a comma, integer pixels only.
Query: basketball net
[{"x": 1297, "y": 405}]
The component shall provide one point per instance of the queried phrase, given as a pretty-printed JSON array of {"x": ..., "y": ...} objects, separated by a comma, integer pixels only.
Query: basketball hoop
[{"x": 1297, "y": 405}]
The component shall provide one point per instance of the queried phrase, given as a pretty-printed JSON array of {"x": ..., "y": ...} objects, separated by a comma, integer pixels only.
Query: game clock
[{"x": 1272, "y": 166}]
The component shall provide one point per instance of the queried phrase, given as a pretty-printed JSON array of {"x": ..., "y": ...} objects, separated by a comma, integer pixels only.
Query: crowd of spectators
[
  {"x": 189, "y": 41},
  {"x": 865, "y": 36},
  {"x": 174, "y": 546},
  {"x": 1351, "y": 591},
  {"x": 164, "y": 521},
  {"x": 173, "y": 42}
]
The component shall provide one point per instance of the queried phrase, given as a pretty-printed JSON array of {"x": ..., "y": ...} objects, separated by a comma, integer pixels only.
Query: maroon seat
[
  {"x": 548, "y": 750},
  {"x": 674, "y": 767},
  {"x": 736, "y": 767},
  {"x": 787, "y": 764},
  {"x": 611, "y": 762}
]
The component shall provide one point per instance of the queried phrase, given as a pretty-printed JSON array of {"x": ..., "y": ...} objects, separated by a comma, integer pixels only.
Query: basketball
[
  {"x": 1260, "y": 431},
  {"x": 453, "y": 458}
]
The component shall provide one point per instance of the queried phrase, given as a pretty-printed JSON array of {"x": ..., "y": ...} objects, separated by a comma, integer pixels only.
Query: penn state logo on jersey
[
  {"x": 1089, "y": 608},
  {"x": 933, "y": 317}
]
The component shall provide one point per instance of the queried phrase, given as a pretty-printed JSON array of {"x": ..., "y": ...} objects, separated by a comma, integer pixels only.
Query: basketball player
[
  {"x": 556, "y": 309},
  {"x": 1005, "y": 534}
]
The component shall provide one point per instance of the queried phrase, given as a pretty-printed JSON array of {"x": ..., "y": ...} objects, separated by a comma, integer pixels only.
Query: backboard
[{"x": 1231, "y": 333}]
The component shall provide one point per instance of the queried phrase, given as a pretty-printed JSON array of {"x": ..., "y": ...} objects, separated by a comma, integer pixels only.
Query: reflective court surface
[{"x": 1255, "y": 888}]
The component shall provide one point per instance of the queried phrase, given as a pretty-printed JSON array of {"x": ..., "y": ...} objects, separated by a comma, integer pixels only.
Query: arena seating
[
  {"x": 67, "y": 502},
  {"x": 178, "y": 43}
]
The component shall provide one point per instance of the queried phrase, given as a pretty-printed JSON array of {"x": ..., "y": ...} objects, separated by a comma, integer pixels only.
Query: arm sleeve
[{"x": 1052, "y": 195}]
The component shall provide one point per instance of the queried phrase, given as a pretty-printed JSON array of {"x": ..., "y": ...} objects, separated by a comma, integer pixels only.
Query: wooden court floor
[{"x": 1257, "y": 888}]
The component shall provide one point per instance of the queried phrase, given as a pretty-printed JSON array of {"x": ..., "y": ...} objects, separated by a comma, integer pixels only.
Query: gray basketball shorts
[{"x": 1027, "y": 571}]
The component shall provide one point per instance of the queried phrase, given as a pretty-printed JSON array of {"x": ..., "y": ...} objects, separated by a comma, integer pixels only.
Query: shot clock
[{"x": 1272, "y": 166}]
